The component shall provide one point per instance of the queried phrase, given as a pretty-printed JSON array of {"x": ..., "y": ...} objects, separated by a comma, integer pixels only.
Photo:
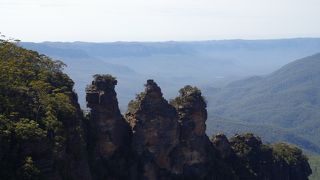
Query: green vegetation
[
  {"x": 255, "y": 159},
  {"x": 104, "y": 77},
  {"x": 270, "y": 133},
  {"x": 28, "y": 171},
  {"x": 133, "y": 105},
  {"x": 102, "y": 81},
  {"x": 37, "y": 100},
  {"x": 291, "y": 154},
  {"x": 286, "y": 101},
  {"x": 188, "y": 95}
]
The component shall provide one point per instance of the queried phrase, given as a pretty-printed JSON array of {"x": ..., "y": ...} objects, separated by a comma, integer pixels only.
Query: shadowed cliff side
[
  {"x": 251, "y": 159},
  {"x": 155, "y": 132},
  {"x": 108, "y": 133},
  {"x": 195, "y": 156}
]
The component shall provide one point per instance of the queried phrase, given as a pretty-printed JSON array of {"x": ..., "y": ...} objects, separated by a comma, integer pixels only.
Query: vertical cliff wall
[
  {"x": 193, "y": 152},
  {"x": 109, "y": 135},
  {"x": 155, "y": 131}
]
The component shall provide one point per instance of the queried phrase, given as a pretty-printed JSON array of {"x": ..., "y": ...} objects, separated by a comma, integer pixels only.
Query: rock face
[
  {"x": 251, "y": 159},
  {"x": 193, "y": 155},
  {"x": 155, "y": 131},
  {"x": 161, "y": 140},
  {"x": 222, "y": 144},
  {"x": 108, "y": 132}
]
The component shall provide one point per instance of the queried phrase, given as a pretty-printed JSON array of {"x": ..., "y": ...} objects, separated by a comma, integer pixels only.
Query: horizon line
[{"x": 174, "y": 41}]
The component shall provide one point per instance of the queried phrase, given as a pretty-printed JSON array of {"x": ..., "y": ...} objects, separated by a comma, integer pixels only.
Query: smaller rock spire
[
  {"x": 222, "y": 144},
  {"x": 195, "y": 147},
  {"x": 191, "y": 107}
]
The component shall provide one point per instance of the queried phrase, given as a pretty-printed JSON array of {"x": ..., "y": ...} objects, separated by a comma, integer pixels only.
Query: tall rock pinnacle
[
  {"x": 155, "y": 129},
  {"x": 108, "y": 132},
  {"x": 195, "y": 148}
]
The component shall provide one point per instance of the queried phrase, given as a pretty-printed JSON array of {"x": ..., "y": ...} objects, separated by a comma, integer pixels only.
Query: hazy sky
[{"x": 158, "y": 20}]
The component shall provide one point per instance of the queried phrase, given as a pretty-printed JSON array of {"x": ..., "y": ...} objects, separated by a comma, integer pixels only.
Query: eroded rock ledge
[{"x": 162, "y": 140}]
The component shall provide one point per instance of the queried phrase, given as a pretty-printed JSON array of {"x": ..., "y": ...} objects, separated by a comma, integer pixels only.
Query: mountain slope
[
  {"x": 269, "y": 133},
  {"x": 289, "y": 98}
]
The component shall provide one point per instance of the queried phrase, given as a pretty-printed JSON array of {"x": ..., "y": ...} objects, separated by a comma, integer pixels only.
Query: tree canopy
[{"x": 36, "y": 100}]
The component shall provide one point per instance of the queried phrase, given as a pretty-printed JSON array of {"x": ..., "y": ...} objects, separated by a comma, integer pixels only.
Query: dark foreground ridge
[{"x": 44, "y": 134}]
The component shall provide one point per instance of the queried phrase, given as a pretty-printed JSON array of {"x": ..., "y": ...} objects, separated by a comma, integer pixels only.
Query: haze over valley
[{"x": 205, "y": 64}]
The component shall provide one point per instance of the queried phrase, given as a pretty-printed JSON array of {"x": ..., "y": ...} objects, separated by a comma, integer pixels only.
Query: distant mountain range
[
  {"x": 284, "y": 105},
  {"x": 174, "y": 64}
]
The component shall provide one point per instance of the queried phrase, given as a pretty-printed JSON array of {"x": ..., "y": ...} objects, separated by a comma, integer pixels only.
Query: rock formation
[
  {"x": 108, "y": 133},
  {"x": 222, "y": 144},
  {"x": 161, "y": 140},
  {"x": 155, "y": 131},
  {"x": 251, "y": 159},
  {"x": 195, "y": 149}
]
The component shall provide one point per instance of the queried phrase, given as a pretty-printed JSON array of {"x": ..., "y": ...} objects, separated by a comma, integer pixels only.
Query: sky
[{"x": 158, "y": 20}]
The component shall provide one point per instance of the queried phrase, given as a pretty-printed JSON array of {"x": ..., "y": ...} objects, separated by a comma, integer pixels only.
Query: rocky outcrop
[
  {"x": 193, "y": 155},
  {"x": 251, "y": 159},
  {"x": 222, "y": 144},
  {"x": 289, "y": 162},
  {"x": 155, "y": 131},
  {"x": 161, "y": 140},
  {"x": 108, "y": 132}
]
